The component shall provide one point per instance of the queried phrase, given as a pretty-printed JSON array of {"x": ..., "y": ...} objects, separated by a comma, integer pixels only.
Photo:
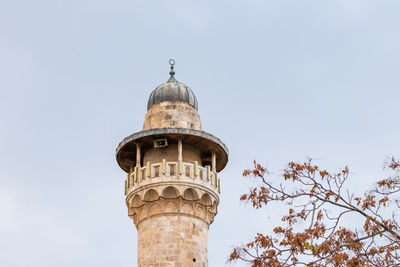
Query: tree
[{"x": 313, "y": 231}]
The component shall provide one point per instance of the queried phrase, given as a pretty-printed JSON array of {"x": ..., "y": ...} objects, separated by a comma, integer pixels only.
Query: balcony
[{"x": 168, "y": 171}]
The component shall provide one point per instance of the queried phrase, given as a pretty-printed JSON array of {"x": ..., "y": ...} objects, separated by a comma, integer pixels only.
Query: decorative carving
[
  {"x": 205, "y": 200},
  {"x": 136, "y": 201},
  {"x": 167, "y": 199},
  {"x": 190, "y": 194},
  {"x": 151, "y": 195},
  {"x": 170, "y": 192}
]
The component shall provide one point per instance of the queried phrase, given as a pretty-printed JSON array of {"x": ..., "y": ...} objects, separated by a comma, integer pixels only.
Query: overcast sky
[{"x": 275, "y": 80}]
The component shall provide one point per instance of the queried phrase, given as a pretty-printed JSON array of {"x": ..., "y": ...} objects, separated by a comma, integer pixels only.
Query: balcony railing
[{"x": 172, "y": 171}]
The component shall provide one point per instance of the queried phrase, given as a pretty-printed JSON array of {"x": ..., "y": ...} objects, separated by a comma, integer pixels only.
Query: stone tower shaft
[{"x": 172, "y": 186}]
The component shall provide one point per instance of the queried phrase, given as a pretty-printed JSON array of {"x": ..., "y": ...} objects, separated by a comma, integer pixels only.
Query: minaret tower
[{"x": 172, "y": 183}]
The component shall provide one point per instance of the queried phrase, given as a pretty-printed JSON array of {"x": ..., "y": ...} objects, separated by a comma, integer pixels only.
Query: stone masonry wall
[
  {"x": 172, "y": 114},
  {"x": 172, "y": 241},
  {"x": 170, "y": 153}
]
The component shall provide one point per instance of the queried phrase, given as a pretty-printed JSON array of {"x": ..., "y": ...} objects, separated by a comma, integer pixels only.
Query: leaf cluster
[{"x": 312, "y": 232}]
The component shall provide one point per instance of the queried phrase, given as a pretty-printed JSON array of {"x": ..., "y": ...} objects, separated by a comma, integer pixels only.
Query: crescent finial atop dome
[{"x": 172, "y": 72}]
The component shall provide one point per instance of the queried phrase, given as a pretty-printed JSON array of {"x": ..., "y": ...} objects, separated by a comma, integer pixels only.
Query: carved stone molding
[{"x": 164, "y": 200}]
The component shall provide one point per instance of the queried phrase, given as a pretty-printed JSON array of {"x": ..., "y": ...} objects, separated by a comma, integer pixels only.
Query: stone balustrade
[{"x": 167, "y": 171}]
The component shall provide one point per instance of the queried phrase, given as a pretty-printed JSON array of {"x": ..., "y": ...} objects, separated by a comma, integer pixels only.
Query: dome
[{"x": 172, "y": 90}]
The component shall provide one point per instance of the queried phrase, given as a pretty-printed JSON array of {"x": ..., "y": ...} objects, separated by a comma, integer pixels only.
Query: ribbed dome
[{"x": 172, "y": 90}]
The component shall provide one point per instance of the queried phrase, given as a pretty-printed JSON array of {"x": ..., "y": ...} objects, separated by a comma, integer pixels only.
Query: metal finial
[{"x": 172, "y": 72}]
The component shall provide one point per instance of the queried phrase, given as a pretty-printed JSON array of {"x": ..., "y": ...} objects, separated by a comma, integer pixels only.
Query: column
[
  {"x": 138, "y": 159},
  {"x": 180, "y": 169},
  {"x": 213, "y": 161},
  {"x": 179, "y": 149},
  {"x": 138, "y": 155},
  {"x": 214, "y": 167}
]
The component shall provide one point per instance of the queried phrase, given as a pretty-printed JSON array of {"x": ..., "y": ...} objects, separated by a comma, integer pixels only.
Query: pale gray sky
[{"x": 275, "y": 80}]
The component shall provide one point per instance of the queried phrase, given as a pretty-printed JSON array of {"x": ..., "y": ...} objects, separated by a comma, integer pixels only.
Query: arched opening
[
  {"x": 156, "y": 171},
  {"x": 171, "y": 169}
]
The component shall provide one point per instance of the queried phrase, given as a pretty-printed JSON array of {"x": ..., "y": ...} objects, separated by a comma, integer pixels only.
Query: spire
[{"x": 172, "y": 72}]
